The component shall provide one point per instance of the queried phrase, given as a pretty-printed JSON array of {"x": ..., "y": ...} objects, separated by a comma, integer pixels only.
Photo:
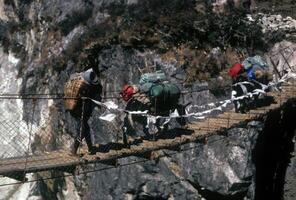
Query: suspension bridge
[{"x": 18, "y": 167}]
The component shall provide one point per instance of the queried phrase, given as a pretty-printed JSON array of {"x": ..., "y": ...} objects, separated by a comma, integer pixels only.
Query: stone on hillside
[{"x": 225, "y": 167}]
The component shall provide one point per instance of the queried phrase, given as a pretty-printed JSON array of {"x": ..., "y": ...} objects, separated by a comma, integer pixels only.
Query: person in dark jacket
[
  {"x": 240, "y": 87},
  {"x": 159, "y": 99},
  {"x": 92, "y": 89},
  {"x": 244, "y": 85}
]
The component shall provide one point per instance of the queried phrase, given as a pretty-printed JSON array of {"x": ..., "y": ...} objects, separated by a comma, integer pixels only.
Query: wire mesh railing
[
  {"x": 29, "y": 137},
  {"x": 19, "y": 127}
]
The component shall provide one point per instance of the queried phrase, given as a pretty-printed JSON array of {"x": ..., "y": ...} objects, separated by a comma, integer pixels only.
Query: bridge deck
[{"x": 200, "y": 130}]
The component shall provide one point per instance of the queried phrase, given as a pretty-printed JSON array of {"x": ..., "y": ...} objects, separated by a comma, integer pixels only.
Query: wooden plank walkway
[{"x": 199, "y": 131}]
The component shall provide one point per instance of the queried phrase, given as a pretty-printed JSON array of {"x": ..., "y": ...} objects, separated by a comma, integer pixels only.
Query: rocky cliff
[{"x": 194, "y": 42}]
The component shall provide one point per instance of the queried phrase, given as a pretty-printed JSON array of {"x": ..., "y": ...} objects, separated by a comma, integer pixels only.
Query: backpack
[
  {"x": 164, "y": 95},
  {"x": 75, "y": 88},
  {"x": 145, "y": 87},
  {"x": 155, "y": 77},
  {"x": 256, "y": 67},
  {"x": 254, "y": 61}
]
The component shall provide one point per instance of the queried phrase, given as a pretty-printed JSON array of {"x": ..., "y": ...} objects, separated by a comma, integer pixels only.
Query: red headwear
[
  {"x": 127, "y": 92},
  {"x": 234, "y": 69}
]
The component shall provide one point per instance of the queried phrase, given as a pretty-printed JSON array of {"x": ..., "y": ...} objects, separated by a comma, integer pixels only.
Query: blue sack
[{"x": 251, "y": 73}]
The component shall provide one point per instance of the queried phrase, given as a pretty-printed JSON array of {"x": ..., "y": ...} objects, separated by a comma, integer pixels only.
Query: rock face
[
  {"x": 277, "y": 22},
  {"x": 221, "y": 6},
  {"x": 228, "y": 173},
  {"x": 272, "y": 155},
  {"x": 221, "y": 168},
  {"x": 42, "y": 42},
  {"x": 290, "y": 183},
  {"x": 282, "y": 57}
]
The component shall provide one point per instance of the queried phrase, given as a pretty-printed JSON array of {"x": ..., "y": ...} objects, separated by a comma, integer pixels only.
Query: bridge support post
[{"x": 228, "y": 120}]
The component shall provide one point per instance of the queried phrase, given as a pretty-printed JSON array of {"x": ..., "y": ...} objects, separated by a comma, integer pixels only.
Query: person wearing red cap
[
  {"x": 127, "y": 92},
  {"x": 238, "y": 75}
]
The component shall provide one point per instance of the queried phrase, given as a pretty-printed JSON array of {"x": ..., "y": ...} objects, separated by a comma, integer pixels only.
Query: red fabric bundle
[
  {"x": 234, "y": 69},
  {"x": 127, "y": 92}
]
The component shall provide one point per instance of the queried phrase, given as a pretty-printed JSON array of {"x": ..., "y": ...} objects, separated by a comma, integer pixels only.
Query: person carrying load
[
  {"x": 82, "y": 85},
  {"x": 250, "y": 76},
  {"x": 153, "y": 93}
]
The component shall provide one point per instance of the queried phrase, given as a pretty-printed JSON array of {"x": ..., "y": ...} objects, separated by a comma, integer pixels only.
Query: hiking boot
[
  {"x": 92, "y": 150},
  {"x": 73, "y": 149}
]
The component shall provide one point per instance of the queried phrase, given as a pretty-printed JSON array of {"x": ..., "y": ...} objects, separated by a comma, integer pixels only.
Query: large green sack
[
  {"x": 155, "y": 77},
  {"x": 164, "y": 95},
  {"x": 145, "y": 88}
]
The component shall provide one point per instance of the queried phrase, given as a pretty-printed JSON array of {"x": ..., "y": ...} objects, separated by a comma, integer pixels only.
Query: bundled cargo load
[
  {"x": 257, "y": 69},
  {"x": 74, "y": 89},
  {"x": 155, "y": 77}
]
